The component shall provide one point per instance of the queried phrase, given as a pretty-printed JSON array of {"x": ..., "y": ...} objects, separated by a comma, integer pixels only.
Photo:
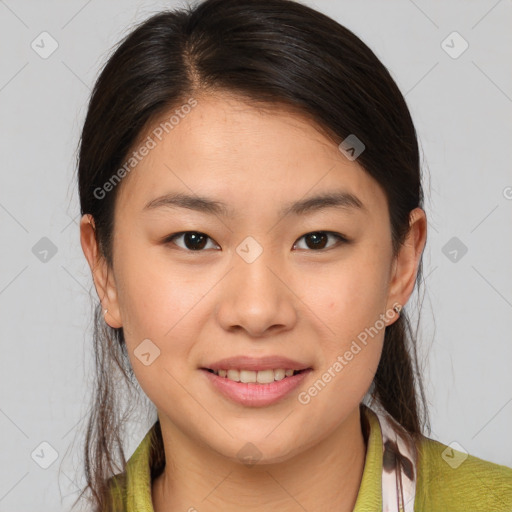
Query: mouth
[
  {"x": 252, "y": 388},
  {"x": 256, "y": 376}
]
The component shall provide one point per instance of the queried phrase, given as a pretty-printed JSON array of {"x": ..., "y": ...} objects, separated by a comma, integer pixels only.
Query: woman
[{"x": 250, "y": 187}]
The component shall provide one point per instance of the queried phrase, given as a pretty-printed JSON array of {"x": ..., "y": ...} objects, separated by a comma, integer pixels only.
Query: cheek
[
  {"x": 351, "y": 341},
  {"x": 350, "y": 298},
  {"x": 159, "y": 307},
  {"x": 156, "y": 302},
  {"x": 149, "y": 281}
]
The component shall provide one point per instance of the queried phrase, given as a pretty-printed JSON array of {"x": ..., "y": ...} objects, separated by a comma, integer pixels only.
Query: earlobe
[
  {"x": 406, "y": 263},
  {"x": 103, "y": 278}
]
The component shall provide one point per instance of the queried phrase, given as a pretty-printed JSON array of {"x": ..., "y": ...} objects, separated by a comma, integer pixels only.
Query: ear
[
  {"x": 405, "y": 265},
  {"x": 103, "y": 279}
]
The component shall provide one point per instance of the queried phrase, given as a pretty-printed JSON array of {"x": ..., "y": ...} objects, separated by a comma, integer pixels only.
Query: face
[{"x": 192, "y": 285}]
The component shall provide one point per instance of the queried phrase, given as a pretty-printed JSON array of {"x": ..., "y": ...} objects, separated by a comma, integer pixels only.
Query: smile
[{"x": 255, "y": 388}]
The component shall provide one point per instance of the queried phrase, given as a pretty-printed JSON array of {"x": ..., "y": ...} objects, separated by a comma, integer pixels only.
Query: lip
[
  {"x": 272, "y": 362},
  {"x": 253, "y": 394}
]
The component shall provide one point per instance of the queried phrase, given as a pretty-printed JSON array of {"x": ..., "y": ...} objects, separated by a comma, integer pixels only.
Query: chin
[{"x": 259, "y": 452}]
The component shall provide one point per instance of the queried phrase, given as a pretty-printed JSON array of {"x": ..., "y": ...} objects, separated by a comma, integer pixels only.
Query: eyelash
[{"x": 342, "y": 239}]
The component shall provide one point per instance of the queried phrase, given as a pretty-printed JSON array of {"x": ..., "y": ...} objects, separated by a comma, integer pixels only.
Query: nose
[{"x": 257, "y": 297}]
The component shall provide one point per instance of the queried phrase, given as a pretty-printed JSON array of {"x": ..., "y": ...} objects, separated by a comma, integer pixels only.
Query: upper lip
[{"x": 256, "y": 363}]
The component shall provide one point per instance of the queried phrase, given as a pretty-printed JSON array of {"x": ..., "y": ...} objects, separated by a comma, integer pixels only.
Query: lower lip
[{"x": 253, "y": 394}]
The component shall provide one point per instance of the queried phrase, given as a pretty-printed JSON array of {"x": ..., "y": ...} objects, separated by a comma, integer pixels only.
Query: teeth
[
  {"x": 261, "y": 377},
  {"x": 234, "y": 375}
]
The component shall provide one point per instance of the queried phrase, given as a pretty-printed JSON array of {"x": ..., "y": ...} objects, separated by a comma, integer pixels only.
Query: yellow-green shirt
[{"x": 471, "y": 486}]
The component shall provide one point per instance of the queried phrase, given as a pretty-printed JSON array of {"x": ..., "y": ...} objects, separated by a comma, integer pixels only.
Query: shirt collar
[
  {"x": 138, "y": 498},
  {"x": 369, "y": 496}
]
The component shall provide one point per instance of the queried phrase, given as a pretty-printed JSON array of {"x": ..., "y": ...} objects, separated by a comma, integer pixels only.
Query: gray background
[{"x": 462, "y": 110}]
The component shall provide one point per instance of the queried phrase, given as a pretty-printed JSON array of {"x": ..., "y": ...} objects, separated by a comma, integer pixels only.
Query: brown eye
[
  {"x": 192, "y": 240},
  {"x": 317, "y": 240}
]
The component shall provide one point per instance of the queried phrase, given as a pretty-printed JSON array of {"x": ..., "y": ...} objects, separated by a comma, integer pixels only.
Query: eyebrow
[{"x": 338, "y": 199}]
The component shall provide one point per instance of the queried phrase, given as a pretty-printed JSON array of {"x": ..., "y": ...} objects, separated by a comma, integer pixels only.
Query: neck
[{"x": 324, "y": 477}]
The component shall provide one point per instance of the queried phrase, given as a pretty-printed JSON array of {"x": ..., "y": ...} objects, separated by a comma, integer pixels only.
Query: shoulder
[
  {"x": 117, "y": 493},
  {"x": 449, "y": 479}
]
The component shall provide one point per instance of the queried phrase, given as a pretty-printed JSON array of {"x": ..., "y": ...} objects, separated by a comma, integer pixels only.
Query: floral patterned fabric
[{"x": 399, "y": 471}]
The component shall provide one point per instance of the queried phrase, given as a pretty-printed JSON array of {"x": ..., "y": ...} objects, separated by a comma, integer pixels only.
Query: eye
[
  {"x": 317, "y": 239},
  {"x": 193, "y": 240},
  {"x": 197, "y": 241}
]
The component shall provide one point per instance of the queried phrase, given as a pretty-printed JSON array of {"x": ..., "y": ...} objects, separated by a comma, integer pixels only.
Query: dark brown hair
[{"x": 270, "y": 52}]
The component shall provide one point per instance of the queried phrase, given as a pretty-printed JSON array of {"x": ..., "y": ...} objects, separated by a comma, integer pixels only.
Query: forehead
[{"x": 241, "y": 153}]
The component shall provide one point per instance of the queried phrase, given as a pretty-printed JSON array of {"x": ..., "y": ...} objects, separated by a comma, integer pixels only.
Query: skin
[{"x": 294, "y": 300}]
